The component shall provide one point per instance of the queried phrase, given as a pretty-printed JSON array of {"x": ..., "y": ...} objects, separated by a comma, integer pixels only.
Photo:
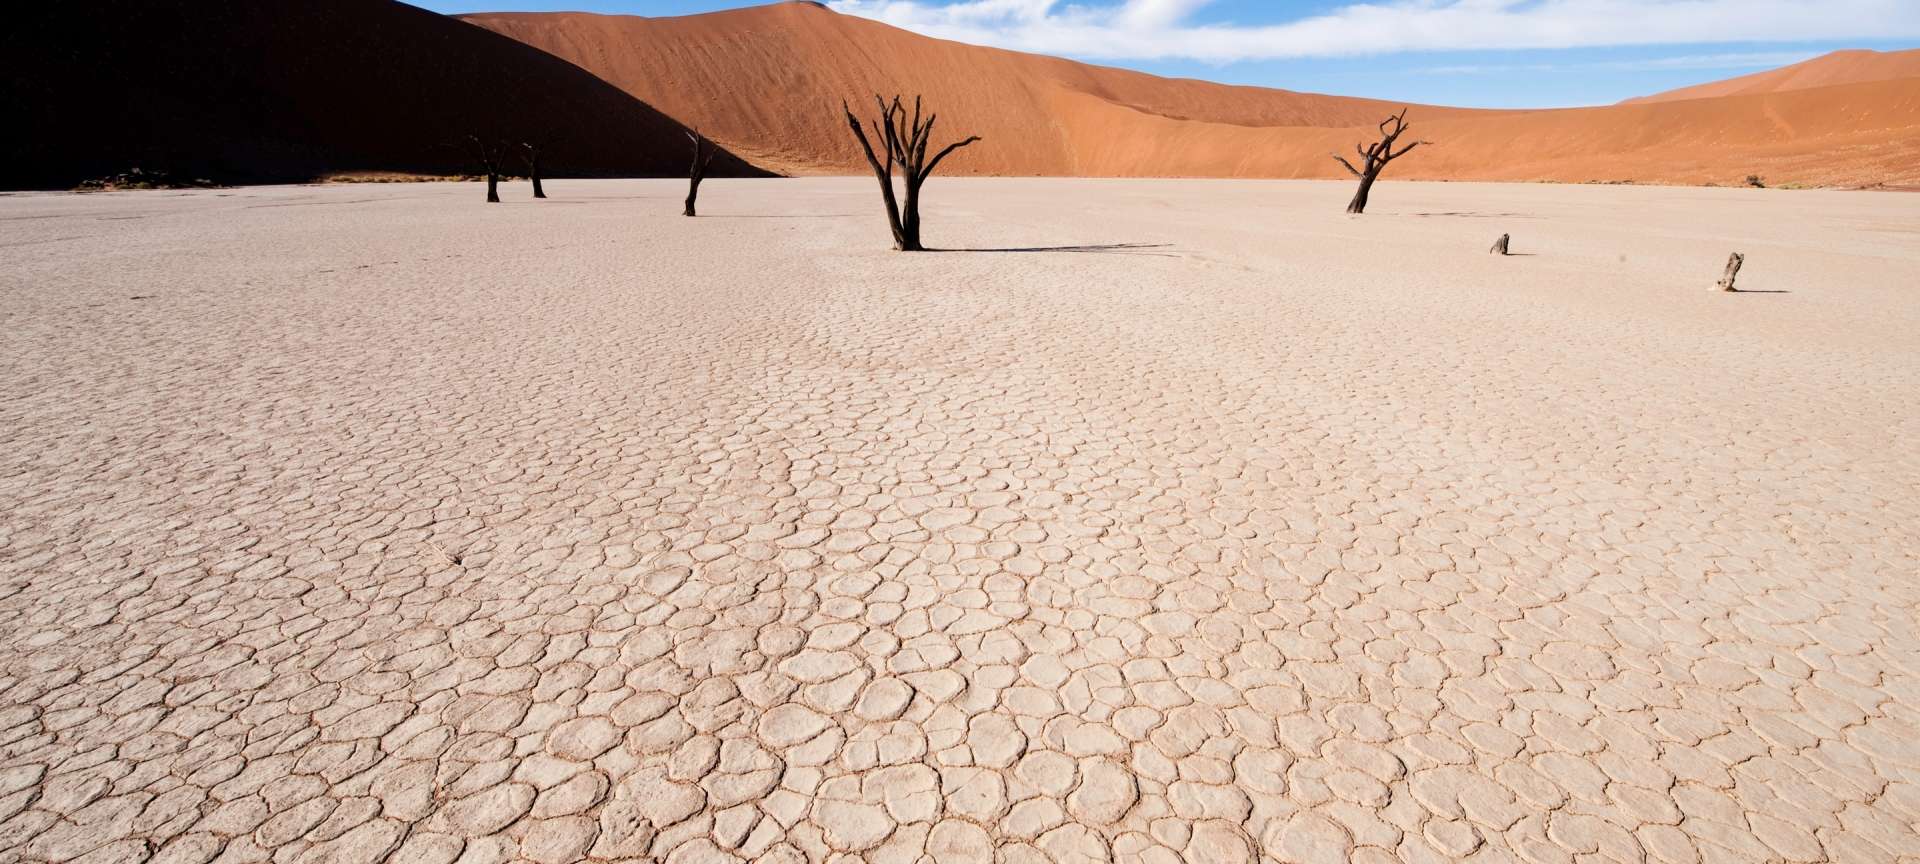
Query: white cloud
[
  {"x": 1751, "y": 60},
  {"x": 1163, "y": 29}
]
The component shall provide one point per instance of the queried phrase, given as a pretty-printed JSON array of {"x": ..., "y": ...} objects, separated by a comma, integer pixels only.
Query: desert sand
[
  {"x": 768, "y": 82},
  {"x": 1173, "y": 520}
]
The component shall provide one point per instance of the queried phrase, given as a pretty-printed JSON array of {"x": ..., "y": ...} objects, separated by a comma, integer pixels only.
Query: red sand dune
[
  {"x": 767, "y": 82},
  {"x": 1839, "y": 67},
  {"x": 247, "y": 91}
]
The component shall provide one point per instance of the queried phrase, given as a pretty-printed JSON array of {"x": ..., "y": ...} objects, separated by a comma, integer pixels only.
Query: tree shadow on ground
[
  {"x": 1093, "y": 248},
  {"x": 1467, "y": 214}
]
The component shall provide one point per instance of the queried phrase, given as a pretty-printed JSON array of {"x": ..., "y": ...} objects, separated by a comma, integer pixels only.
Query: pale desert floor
[{"x": 347, "y": 520}]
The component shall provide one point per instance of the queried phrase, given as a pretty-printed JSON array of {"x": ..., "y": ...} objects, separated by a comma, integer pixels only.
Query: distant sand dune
[
  {"x": 240, "y": 91},
  {"x": 768, "y": 81}
]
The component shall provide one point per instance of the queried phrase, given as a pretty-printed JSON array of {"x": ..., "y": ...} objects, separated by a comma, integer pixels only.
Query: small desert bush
[
  {"x": 139, "y": 179},
  {"x": 399, "y": 177}
]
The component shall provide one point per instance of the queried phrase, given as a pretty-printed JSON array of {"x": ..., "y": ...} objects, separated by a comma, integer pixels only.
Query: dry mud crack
[{"x": 596, "y": 533}]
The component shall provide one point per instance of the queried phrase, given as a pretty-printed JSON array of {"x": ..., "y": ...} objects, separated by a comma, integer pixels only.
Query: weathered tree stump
[
  {"x": 1733, "y": 272},
  {"x": 1499, "y": 246}
]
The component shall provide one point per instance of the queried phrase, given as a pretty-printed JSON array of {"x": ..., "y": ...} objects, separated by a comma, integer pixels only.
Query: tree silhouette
[
  {"x": 905, "y": 143},
  {"x": 532, "y": 152},
  {"x": 1374, "y": 158},
  {"x": 488, "y": 155},
  {"x": 697, "y": 171}
]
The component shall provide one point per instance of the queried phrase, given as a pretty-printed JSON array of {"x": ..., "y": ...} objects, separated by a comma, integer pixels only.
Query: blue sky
[{"x": 1483, "y": 53}]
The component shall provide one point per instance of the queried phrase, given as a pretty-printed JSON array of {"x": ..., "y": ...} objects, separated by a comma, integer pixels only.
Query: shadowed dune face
[
  {"x": 246, "y": 91},
  {"x": 1839, "y": 67},
  {"x": 768, "y": 82}
]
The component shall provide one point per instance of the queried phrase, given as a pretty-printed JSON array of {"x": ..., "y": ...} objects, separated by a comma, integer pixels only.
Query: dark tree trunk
[
  {"x": 904, "y": 142},
  {"x": 533, "y": 168},
  {"x": 1359, "y": 202},
  {"x": 891, "y": 201},
  {"x": 489, "y": 155},
  {"x": 697, "y": 170},
  {"x": 908, "y": 238},
  {"x": 893, "y": 217}
]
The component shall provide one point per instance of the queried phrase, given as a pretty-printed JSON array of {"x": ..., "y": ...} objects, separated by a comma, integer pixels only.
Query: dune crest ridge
[{"x": 1857, "y": 66}]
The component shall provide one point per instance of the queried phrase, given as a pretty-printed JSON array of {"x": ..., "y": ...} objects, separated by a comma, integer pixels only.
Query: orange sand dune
[
  {"x": 767, "y": 82},
  {"x": 1839, "y": 67}
]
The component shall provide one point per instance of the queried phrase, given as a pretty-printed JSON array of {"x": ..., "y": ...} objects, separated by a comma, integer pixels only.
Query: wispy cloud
[
  {"x": 1747, "y": 60},
  {"x": 1164, "y": 29}
]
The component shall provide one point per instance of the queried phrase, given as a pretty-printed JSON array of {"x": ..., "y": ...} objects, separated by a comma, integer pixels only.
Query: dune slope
[
  {"x": 768, "y": 82},
  {"x": 1839, "y": 67},
  {"x": 242, "y": 91},
  {"x": 770, "y": 79}
]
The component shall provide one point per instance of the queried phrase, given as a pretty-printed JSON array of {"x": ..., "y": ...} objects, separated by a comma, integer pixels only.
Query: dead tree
[
  {"x": 697, "y": 171},
  {"x": 488, "y": 154},
  {"x": 1733, "y": 272},
  {"x": 1499, "y": 246},
  {"x": 1374, "y": 158},
  {"x": 905, "y": 142},
  {"x": 532, "y": 152}
]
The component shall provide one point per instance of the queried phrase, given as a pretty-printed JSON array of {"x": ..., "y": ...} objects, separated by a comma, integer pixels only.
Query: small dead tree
[
  {"x": 488, "y": 155},
  {"x": 697, "y": 171},
  {"x": 1733, "y": 272},
  {"x": 1499, "y": 246},
  {"x": 905, "y": 141},
  {"x": 532, "y": 153},
  {"x": 1374, "y": 159}
]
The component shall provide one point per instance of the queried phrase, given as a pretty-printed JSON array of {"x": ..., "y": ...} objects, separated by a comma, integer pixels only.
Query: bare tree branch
[
  {"x": 862, "y": 135},
  {"x": 1374, "y": 157},
  {"x": 1405, "y": 150},
  {"x": 928, "y": 171}
]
